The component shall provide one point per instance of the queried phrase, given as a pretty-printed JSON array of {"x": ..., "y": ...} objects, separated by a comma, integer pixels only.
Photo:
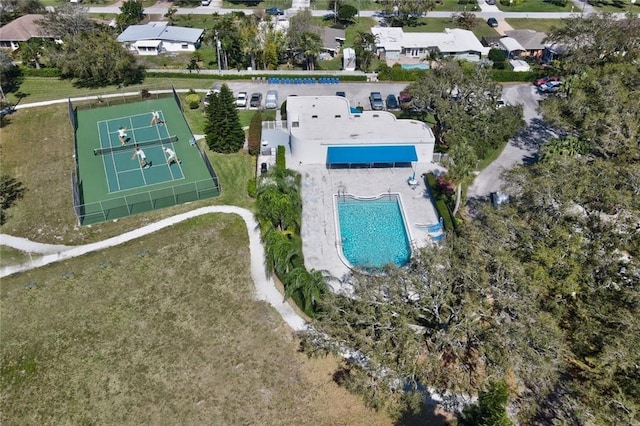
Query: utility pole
[{"x": 218, "y": 51}]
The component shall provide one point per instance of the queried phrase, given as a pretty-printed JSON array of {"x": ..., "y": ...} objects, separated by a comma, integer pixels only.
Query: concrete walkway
[{"x": 265, "y": 286}]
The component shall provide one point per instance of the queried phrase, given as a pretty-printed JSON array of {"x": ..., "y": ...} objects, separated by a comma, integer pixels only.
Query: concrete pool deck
[{"x": 319, "y": 185}]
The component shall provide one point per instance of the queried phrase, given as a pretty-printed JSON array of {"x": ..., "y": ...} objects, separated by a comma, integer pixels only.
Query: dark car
[
  {"x": 256, "y": 100},
  {"x": 490, "y": 2},
  {"x": 274, "y": 11},
  {"x": 550, "y": 87},
  {"x": 493, "y": 22},
  {"x": 263, "y": 168},
  {"x": 341, "y": 94},
  {"x": 406, "y": 100},
  {"x": 392, "y": 102},
  {"x": 7, "y": 110},
  {"x": 544, "y": 80},
  {"x": 375, "y": 98}
]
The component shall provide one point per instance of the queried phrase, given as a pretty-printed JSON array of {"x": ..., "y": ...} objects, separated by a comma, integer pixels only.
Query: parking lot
[{"x": 357, "y": 93}]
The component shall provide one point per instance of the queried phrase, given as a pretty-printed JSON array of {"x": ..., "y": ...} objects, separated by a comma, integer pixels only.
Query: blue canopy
[{"x": 371, "y": 154}]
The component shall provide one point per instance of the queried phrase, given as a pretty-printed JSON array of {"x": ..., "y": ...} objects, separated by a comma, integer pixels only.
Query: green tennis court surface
[
  {"x": 122, "y": 168},
  {"x": 111, "y": 182}
]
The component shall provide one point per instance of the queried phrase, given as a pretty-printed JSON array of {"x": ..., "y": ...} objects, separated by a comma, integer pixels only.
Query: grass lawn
[
  {"x": 161, "y": 330},
  {"x": 282, "y": 4},
  {"x": 542, "y": 25},
  {"x": 439, "y": 24},
  {"x": 617, "y": 6},
  {"x": 358, "y": 4},
  {"x": 534, "y": 6}
]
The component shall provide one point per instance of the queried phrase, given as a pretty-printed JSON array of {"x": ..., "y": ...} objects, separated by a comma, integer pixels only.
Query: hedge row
[
  {"x": 42, "y": 72},
  {"x": 441, "y": 205},
  {"x": 508, "y": 75},
  {"x": 197, "y": 75}
]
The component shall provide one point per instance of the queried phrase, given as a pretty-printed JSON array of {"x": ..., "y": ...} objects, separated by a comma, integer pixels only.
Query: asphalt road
[{"x": 522, "y": 149}]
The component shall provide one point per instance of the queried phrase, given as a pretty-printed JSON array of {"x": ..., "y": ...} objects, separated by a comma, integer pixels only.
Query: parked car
[
  {"x": 406, "y": 100},
  {"x": 490, "y": 2},
  {"x": 205, "y": 2},
  {"x": 375, "y": 98},
  {"x": 550, "y": 87},
  {"x": 263, "y": 168},
  {"x": 256, "y": 100},
  {"x": 498, "y": 198},
  {"x": 392, "y": 102},
  {"x": 341, "y": 94},
  {"x": 492, "y": 22},
  {"x": 271, "y": 100},
  {"x": 241, "y": 100},
  {"x": 7, "y": 110},
  {"x": 274, "y": 11},
  {"x": 500, "y": 103},
  {"x": 544, "y": 80},
  {"x": 214, "y": 89}
]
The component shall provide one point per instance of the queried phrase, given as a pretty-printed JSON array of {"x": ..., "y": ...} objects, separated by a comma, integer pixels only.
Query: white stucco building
[
  {"x": 157, "y": 37},
  {"x": 327, "y": 130},
  {"x": 394, "y": 45}
]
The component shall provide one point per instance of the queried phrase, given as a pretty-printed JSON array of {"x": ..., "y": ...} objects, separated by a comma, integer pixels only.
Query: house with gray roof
[
  {"x": 155, "y": 38},
  {"x": 21, "y": 29}
]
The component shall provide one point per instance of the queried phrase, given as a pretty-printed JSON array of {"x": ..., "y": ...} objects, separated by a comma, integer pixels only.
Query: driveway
[{"x": 522, "y": 149}]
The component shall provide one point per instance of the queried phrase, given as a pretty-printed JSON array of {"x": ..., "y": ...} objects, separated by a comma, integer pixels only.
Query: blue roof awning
[{"x": 371, "y": 154}]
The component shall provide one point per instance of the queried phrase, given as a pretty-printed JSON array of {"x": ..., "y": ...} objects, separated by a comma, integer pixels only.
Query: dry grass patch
[{"x": 160, "y": 330}]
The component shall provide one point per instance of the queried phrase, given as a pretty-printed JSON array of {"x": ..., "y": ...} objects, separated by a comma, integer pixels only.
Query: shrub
[
  {"x": 281, "y": 162},
  {"x": 254, "y": 135},
  {"x": 509, "y": 75},
  {"x": 443, "y": 211},
  {"x": 193, "y": 100},
  {"x": 252, "y": 188},
  {"x": 42, "y": 72}
]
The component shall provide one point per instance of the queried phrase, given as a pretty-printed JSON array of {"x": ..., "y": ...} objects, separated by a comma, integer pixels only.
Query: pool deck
[{"x": 319, "y": 185}]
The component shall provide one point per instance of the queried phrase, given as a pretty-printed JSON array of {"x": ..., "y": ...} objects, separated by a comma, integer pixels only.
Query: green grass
[
  {"x": 11, "y": 256},
  {"x": 439, "y": 24},
  {"x": 542, "y": 25},
  {"x": 622, "y": 6},
  {"x": 282, "y": 4},
  {"x": 358, "y": 4},
  {"x": 534, "y": 6},
  {"x": 161, "y": 330}
]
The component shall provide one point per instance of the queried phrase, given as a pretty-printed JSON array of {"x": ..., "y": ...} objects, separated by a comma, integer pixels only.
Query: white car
[{"x": 241, "y": 100}]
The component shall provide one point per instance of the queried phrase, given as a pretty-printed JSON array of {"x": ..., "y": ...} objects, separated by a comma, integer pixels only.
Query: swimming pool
[{"x": 372, "y": 231}]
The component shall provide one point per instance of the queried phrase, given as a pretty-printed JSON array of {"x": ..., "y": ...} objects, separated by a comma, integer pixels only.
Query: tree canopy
[
  {"x": 223, "y": 130},
  {"x": 540, "y": 294}
]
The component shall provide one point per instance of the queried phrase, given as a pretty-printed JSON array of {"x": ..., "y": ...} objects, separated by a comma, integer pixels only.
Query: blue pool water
[
  {"x": 415, "y": 66},
  {"x": 373, "y": 232}
]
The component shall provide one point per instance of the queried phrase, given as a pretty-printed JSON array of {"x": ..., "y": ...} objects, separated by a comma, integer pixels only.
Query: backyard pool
[{"x": 372, "y": 231}]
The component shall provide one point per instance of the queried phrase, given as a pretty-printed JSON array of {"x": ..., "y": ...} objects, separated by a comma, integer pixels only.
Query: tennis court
[
  {"x": 122, "y": 167},
  {"x": 111, "y": 182}
]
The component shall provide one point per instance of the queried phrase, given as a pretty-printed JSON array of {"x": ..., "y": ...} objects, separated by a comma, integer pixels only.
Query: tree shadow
[
  {"x": 534, "y": 135},
  {"x": 428, "y": 415}
]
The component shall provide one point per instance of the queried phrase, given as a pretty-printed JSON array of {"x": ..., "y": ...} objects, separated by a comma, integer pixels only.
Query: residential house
[
  {"x": 20, "y": 30},
  {"x": 395, "y": 46},
  {"x": 532, "y": 42},
  {"x": 332, "y": 40},
  {"x": 158, "y": 37}
]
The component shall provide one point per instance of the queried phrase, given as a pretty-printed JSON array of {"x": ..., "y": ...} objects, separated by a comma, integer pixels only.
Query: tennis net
[{"x": 107, "y": 150}]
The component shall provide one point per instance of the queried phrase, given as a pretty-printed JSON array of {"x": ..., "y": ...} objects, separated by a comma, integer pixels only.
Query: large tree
[
  {"x": 305, "y": 41},
  {"x": 223, "y": 130},
  {"x": 406, "y": 12},
  {"x": 131, "y": 12},
  {"x": 67, "y": 21},
  {"x": 96, "y": 59}
]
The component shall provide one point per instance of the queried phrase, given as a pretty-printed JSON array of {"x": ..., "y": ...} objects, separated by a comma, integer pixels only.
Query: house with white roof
[
  {"x": 395, "y": 46},
  {"x": 154, "y": 38},
  {"x": 327, "y": 130}
]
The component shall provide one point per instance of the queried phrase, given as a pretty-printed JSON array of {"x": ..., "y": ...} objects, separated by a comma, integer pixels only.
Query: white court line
[{"x": 113, "y": 160}]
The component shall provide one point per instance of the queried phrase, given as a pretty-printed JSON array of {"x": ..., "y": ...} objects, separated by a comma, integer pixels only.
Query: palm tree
[
  {"x": 278, "y": 201},
  {"x": 312, "y": 47},
  {"x": 282, "y": 250},
  {"x": 310, "y": 285},
  {"x": 463, "y": 162}
]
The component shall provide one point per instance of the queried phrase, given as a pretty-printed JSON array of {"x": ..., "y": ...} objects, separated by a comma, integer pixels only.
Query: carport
[{"x": 371, "y": 156}]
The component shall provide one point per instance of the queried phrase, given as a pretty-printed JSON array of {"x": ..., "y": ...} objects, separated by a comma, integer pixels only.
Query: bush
[
  {"x": 508, "y": 75},
  {"x": 252, "y": 188},
  {"x": 396, "y": 73},
  {"x": 281, "y": 162},
  {"x": 42, "y": 72},
  {"x": 254, "y": 135},
  {"x": 193, "y": 100}
]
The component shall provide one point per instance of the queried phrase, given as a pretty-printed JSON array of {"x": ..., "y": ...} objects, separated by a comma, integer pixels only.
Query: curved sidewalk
[{"x": 265, "y": 286}]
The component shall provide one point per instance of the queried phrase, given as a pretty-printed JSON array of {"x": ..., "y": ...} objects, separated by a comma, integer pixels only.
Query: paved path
[{"x": 265, "y": 286}]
